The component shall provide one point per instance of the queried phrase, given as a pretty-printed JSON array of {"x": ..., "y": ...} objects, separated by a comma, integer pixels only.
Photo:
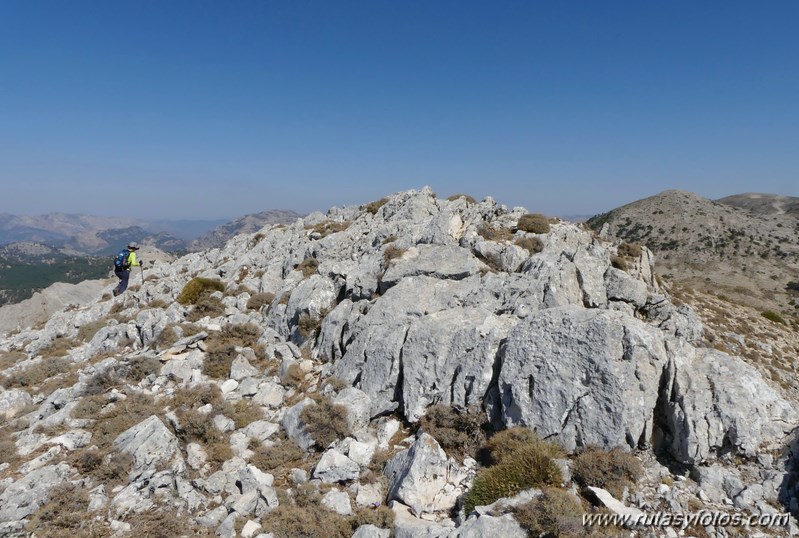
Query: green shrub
[
  {"x": 466, "y": 197},
  {"x": 522, "y": 461},
  {"x": 460, "y": 433},
  {"x": 373, "y": 207},
  {"x": 630, "y": 250},
  {"x": 533, "y": 245},
  {"x": 555, "y": 513},
  {"x": 611, "y": 470},
  {"x": 196, "y": 287},
  {"x": 325, "y": 422},
  {"x": 260, "y": 300},
  {"x": 773, "y": 316},
  {"x": 533, "y": 223},
  {"x": 308, "y": 266}
]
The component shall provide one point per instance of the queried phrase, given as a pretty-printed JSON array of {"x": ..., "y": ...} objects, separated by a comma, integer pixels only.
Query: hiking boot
[{"x": 115, "y": 292}]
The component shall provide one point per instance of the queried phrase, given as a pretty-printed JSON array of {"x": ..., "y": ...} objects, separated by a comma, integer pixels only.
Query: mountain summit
[{"x": 417, "y": 365}]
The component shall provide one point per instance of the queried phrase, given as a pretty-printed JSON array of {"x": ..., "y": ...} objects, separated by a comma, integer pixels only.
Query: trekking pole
[{"x": 142, "y": 275}]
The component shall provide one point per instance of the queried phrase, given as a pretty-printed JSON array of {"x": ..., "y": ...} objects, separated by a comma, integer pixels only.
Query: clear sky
[{"x": 199, "y": 109}]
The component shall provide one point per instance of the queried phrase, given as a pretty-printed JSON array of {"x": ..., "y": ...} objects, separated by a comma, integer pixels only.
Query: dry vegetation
[
  {"x": 330, "y": 227},
  {"x": 325, "y": 422},
  {"x": 460, "y": 433},
  {"x": 768, "y": 345},
  {"x": 534, "y": 223},
  {"x": 612, "y": 470},
  {"x": 490, "y": 233},
  {"x": 221, "y": 348},
  {"x": 198, "y": 287},
  {"x": 308, "y": 267}
]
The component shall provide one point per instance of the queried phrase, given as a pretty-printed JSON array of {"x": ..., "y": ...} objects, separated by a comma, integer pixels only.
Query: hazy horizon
[{"x": 194, "y": 110}]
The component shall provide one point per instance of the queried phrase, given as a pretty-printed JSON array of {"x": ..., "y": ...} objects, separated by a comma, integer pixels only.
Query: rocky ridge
[{"x": 383, "y": 310}]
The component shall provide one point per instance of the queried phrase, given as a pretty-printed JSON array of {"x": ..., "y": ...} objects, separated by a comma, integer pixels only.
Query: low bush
[
  {"x": 291, "y": 521},
  {"x": 206, "y": 306},
  {"x": 393, "y": 252},
  {"x": 308, "y": 266},
  {"x": 10, "y": 358},
  {"x": 260, "y": 300},
  {"x": 373, "y": 207},
  {"x": 36, "y": 374},
  {"x": 555, "y": 513},
  {"x": 773, "y": 316},
  {"x": 221, "y": 348},
  {"x": 534, "y": 223},
  {"x": 197, "y": 287},
  {"x": 307, "y": 325},
  {"x": 325, "y": 422},
  {"x": 123, "y": 415},
  {"x": 282, "y": 454},
  {"x": 88, "y": 330},
  {"x": 243, "y": 412},
  {"x": 330, "y": 227},
  {"x": 489, "y": 233},
  {"x": 522, "y": 461},
  {"x": 466, "y": 197},
  {"x": 293, "y": 376},
  {"x": 459, "y": 432},
  {"x": 533, "y": 245},
  {"x": 59, "y": 347},
  {"x": 63, "y": 515},
  {"x": 630, "y": 250},
  {"x": 618, "y": 262},
  {"x": 612, "y": 470}
]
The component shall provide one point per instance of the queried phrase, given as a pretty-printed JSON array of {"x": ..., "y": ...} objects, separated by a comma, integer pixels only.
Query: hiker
[{"x": 122, "y": 264}]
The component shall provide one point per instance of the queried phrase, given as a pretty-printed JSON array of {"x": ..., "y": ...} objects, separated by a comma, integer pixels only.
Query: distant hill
[
  {"x": 748, "y": 254},
  {"x": 246, "y": 224},
  {"x": 764, "y": 204}
]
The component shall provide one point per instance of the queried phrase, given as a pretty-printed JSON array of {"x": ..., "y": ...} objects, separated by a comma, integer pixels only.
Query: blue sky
[{"x": 168, "y": 109}]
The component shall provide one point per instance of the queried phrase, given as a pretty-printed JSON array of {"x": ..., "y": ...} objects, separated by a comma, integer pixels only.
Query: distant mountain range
[{"x": 57, "y": 247}]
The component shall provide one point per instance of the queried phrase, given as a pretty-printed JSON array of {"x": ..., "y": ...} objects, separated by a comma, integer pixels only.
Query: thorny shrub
[
  {"x": 612, "y": 470},
  {"x": 197, "y": 287},
  {"x": 459, "y": 432},
  {"x": 534, "y": 223}
]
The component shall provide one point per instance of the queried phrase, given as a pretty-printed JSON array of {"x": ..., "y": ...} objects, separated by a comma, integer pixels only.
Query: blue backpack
[{"x": 121, "y": 261}]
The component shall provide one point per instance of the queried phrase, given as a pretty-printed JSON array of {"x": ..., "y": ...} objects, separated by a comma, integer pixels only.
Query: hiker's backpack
[{"x": 121, "y": 261}]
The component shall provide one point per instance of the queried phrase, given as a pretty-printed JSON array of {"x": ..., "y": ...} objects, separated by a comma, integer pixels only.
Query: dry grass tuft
[
  {"x": 533, "y": 245},
  {"x": 260, "y": 300},
  {"x": 460, "y": 433},
  {"x": 325, "y": 422},
  {"x": 489, "y": 233},
  {"x": 534, "y": 223},
  {"x": 374, "y": 207},
  {"x": 221, "y": 348},
  {"x": 612, "y": 470},
  {"x": 308, "y": 267},
  {"x": 469, "y": 199}
]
